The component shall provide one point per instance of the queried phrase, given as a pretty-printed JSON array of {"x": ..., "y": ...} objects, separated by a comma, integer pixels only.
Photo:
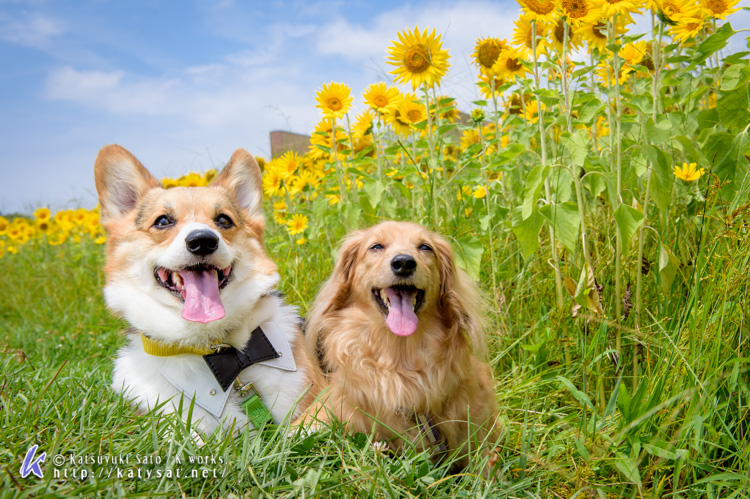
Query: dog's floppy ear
[
  {"x": 460, "y": 301},
  {"x": 241, "y": 176},
  {"x": 343, "y": 272},
  {"x": 333, "y": 295},
  {"x": 120, "y": 181}
]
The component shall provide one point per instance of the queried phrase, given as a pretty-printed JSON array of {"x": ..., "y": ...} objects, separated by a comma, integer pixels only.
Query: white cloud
[
  {"x": 30, "y": 30},
  {"x": 112, "y": 91}
]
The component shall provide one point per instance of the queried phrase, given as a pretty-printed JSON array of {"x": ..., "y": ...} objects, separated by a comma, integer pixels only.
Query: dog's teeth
[
  {"x": 177, "y": 280},
  {"x": 414, "y": 303}
]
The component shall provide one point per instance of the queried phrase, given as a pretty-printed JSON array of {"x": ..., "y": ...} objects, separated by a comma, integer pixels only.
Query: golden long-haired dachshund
[{"x": 399, "y": 333}]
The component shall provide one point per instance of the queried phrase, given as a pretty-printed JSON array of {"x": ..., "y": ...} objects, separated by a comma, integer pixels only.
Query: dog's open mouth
[
  {"x": 400, "y": 304},
  {"x": 198, "y": 288}
]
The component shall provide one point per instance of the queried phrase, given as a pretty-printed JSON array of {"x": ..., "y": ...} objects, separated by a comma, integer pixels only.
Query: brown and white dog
[
  {"x": 186, "y": 267},
  {"x": 398, "y": 330}
]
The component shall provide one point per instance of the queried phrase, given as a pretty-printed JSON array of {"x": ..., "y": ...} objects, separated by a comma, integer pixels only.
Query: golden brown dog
[{"x": 399, "y": 332}]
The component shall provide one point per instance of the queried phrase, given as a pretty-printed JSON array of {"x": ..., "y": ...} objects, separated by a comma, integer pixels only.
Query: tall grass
[{"x": 680, "y": 433}]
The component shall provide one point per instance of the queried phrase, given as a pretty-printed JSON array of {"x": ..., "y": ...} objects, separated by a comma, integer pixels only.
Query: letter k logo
[{"x": 31, "y": 465}]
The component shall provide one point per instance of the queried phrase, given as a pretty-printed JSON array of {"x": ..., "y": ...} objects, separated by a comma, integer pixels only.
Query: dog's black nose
[
  {"x": 403, "y": 265},
  {"x": 202, "y": 242}
]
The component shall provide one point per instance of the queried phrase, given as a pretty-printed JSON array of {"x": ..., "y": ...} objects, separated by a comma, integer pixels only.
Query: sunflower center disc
[
  {"x": 414, "y": 116},
  {"x": 488, "y": 53},
  {"x": 334, "y": 104},
  {"x": 717, "y": 6},
  {"x": 540, "y": 7},
  {"x": 417, "y": 59}
]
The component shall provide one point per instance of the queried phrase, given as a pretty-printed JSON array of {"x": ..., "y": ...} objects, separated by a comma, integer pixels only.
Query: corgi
[{"x": 186, "y": 267}]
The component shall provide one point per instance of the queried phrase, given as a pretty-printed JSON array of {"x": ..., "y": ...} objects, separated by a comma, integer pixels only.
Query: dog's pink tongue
[
  {"x": 401, "y": 320},
  {"x": 202, "y": 302}
]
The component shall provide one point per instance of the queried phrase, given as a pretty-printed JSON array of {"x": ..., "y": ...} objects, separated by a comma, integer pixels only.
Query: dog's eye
[
  {"x": 425, "y": 247},
  {"x": 224, "y": 221},
  {"x": 163, "y": 222},
  {"x": 376, "y": 247}
]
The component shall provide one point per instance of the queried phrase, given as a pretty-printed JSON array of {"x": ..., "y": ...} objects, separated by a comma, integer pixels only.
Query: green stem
[
  {"x": 656, "y": 56},
  {"x": 547, "y": 192},
  {"x": 337, "y": 164},
  {"x": 351, "y": 178},
  {"x": 432, "y": 160},
  {"x": 379, "y": 157},
  {"x": 618, "y": 197},
  {"x": 491, "y": 231}
]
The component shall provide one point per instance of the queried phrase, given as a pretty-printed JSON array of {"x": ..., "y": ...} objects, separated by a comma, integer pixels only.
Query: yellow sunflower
[
  {"x": 688, "y": 172},
  {"x": 42, "y": 214},
  {"x": 4, "y": 224},
  {"x": 486, "y": 52},
  {"x": 541, "y": 10},
  {"x": 301, "y": 181},
  {"x": 675, "y": 10},
  {"x": 685, "y": 29},
  {"x": 296, "y": 224},
  {"x": 579, "y": 12},
  {"x": 43, "y": 225},
  {"x": 287, "y": 164},
  {"x": 334, "y": 100},
  {"x": 532, "y": 111},
  {"x": 516, "y": 105},
  {"x": 463, "y": 192},
  {"x": 486, "y": 86},
  {"x": 606, "y": 73},
  {"x": 418, "y": 58},
  {"x": 471, "y": 137},
  {"x": 719, "y": 9},
  {"x": 559, "y": 31},
  {"x": 273, "y": 182},
  {"x": 363, "y": 123},
  {"x": 322, "y": 136},
  {"x": 191, "y": 180},
  {"x": 509, "y": 65},
  {"x": 522, "y": 36},
  {"x": 381, "y": 97},
  {"x": 633, "y": 53},
  {"x": 80, "y": 216},
  {"x": 595, "y": 35},
  {"x": 623, "y": 7},
  {"x": 408, "y": 112}
]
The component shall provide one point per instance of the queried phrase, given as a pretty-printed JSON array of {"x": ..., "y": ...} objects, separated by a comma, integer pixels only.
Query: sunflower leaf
[
  {"x": 565, "y": 219},
  {"x": 468, "y": 256},
  {"x": 532, "y": 188},
  {"x": 628, "y": 220},
  {"x": 527, "y": 231}
]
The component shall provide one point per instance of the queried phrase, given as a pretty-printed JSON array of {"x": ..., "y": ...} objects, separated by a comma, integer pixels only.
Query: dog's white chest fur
[{"x": 149, "y": 381}]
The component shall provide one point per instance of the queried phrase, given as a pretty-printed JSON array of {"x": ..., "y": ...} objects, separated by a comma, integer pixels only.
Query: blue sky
[{"x": 181, "y": 84}]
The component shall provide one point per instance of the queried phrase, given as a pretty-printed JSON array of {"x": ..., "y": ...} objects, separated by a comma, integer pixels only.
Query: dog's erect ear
[
  {"x": 120, "y": 181},
  {"x": 242, "y": 178}
]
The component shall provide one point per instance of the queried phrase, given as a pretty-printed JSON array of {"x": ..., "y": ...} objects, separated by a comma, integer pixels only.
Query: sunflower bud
[{"x": 477, "y": 115}]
